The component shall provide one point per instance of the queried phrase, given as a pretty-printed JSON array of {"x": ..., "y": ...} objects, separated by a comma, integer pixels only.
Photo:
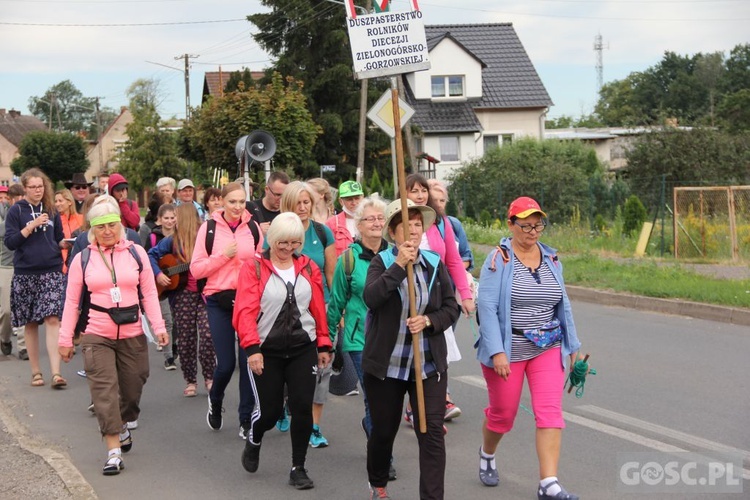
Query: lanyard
[{"x": 110, "y": 269}]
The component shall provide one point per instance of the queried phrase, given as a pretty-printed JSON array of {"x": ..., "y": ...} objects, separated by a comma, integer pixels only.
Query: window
[
  {"x": 448, "y": 86},
  {"x": 507, "y": 139},
  {"x": 490, "y": 142},
  {"x": 449, "y": 149}
]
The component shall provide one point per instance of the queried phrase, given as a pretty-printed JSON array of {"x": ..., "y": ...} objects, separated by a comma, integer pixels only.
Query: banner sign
[{"x": 388, "y": 43}]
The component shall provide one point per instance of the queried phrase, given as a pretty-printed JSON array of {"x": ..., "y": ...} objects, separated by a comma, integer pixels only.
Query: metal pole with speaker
[{"x": 257, "y": 146}]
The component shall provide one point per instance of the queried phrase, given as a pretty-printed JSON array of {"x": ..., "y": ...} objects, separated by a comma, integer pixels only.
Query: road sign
[
  {"x": 388, "y": 43},
  {"x": 381, "y": 113},
  {"x": 328, "y": 168}
]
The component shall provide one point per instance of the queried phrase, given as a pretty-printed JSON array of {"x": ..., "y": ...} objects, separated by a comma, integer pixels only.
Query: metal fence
[{"x": 712, "y": 222}]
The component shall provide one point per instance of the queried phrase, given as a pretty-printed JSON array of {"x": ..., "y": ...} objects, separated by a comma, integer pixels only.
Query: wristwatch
[{"x": 427, "y": 322}]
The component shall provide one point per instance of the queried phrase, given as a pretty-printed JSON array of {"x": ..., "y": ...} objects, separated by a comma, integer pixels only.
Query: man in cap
[
  {"x": 118, "y": 189},
  {"x": 186, "y": 194},
  {"x": 343, "y": 226},
  {"x": 80, "y": 188}
]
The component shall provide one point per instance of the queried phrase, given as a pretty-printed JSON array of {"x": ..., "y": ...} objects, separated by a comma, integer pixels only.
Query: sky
[{"x": 112, "y": 43}]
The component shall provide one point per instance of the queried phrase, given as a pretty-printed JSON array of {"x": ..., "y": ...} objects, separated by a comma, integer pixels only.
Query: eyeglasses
[
  {"x": 372, "y": 219},
  {"x": 40, "y": 186},
  {"x": 276, "y": 195},
  {"x": 526, "y": 228},
  {"x": 288, "y": 244},
  {"x": 80, "y": 187}
]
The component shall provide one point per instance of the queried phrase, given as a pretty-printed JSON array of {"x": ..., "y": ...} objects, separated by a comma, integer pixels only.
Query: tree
[
  {"x": 734, "y": 111},
  {"x": 634, "y": 214},
  {"x": 245, "y": 77},
  {"x": 280, "y": 108},
  {"x": 151, "y": 151},
  {"x": 556, "y": 173},
  {"x": 58, "y": 154},
  {"x": 315, "y": 49},
  {"x": 708, "y": 71},
  {"x": 698, "y": 156}
]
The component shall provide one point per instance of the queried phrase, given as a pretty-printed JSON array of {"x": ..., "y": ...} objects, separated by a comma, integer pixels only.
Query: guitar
[{"x": 176, "y": 271}]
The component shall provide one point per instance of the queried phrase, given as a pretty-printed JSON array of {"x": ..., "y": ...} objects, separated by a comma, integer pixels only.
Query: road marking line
[
  {"x": 664, "y": 431},
  {"x": 647, "y": 442}
]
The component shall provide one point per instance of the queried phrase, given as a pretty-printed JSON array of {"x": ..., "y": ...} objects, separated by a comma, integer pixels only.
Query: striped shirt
[
  {"x": 401, "y": 366},
  {"x": 533, "y": 298}
]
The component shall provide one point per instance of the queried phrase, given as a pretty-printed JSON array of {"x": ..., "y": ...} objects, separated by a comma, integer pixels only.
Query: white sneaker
[{"x": 133, "y": 425}]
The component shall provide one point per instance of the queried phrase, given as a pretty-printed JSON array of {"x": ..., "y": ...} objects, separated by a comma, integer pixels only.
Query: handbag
[
  {"x": 545, "y": 335},
  {"x": 225, "y": 298}
]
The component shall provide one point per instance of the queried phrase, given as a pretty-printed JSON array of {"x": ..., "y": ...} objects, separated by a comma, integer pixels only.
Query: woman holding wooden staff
[
  {"x": 526, "y": 331},
  {"x": 388, "y": 360}
]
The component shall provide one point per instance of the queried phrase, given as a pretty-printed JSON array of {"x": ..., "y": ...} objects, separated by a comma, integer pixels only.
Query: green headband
[{"x": 105, "y": 219}]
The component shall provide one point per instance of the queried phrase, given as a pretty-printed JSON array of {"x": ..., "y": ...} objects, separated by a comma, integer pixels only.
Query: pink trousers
[{"x": 546, "y": 378}]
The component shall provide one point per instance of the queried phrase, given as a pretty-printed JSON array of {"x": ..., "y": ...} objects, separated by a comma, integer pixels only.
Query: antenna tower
[{"x": 599, "y": 48}]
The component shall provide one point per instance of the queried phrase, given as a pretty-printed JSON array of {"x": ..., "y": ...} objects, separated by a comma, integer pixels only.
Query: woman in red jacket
[{"x": 280, "y": 318}]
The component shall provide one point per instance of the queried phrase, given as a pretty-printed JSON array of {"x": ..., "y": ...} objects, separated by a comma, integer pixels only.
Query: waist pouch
[
  {"x": 120, "y": 315},
  {"x": 547, "y": 334},
  {"x": 225, "y": 298}
]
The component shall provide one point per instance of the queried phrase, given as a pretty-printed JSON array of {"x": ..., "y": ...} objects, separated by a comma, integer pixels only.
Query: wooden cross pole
[{"x": 416, "y": 339}]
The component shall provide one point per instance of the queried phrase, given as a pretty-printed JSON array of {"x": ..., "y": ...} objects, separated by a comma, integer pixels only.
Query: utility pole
[
  {"x": 99, "y": 135},
  {"x": 187, "y": 58}
]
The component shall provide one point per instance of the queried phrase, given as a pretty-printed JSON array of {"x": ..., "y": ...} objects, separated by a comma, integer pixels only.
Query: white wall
[{"x": 448, "y": 58}]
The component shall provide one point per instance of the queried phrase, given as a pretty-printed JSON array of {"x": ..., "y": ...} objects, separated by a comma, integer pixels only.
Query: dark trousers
[
  {"x": 228, "y": 350},
  {"x": 116, "y": 371},
  {"x": 299, "y": 375},
  {"x": 386, "y": 404}
]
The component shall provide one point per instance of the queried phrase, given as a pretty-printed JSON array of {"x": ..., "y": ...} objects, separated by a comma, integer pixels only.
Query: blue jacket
[
  {"x": 39, "y": 253},
  {"x": 463, "y": 242},
  {"x": 493, "y": 306}
]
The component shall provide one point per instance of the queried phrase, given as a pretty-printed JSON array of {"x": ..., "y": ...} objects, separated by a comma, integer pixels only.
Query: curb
[
  {"x": 74, "y": 481},
  {"x": 698, "y": 310}
]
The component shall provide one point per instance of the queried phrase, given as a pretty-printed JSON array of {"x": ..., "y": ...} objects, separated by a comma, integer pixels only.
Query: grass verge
[{"x": 647, "y": 278}]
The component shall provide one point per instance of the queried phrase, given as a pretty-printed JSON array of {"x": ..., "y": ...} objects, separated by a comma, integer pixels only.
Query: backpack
[
  {"x": 84, "y": 302},
  {"x": 349, "y": 260},
  {"x": 321, "y": 232},
  {"x": 211, "y": 230}
]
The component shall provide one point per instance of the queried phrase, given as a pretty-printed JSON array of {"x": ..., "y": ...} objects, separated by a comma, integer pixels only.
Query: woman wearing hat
[
  {"x": 387, "y": 358},
  {"x": 527, "y": 331},
  {"x": 80, "y": 188},
  {"x": 343, "y": 224},
  {"x": 118, "y": 189}
]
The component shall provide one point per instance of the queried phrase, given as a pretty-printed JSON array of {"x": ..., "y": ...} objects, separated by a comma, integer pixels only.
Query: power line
[{"x": 119, "y": 25}]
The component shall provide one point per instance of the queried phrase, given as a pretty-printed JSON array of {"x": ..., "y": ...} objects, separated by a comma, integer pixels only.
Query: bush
[{"x": 634, "y": 215}]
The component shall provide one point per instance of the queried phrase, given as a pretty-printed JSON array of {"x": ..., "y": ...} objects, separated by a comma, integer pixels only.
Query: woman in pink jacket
[
  {"x": 440, "y": 239},
  {"x": 236, "y": 237},
  {"x": 115, "y": 350}
]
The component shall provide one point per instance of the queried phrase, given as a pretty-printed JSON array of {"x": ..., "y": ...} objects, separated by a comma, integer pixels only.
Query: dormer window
[{"x": 448, "y": 86}]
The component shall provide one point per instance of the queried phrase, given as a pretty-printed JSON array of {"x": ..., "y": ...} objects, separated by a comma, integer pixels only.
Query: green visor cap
[{"x": 350, "y": 188}]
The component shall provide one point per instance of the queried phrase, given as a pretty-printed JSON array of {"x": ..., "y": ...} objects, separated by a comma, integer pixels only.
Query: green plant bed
[{"x": 652, "y": 280}]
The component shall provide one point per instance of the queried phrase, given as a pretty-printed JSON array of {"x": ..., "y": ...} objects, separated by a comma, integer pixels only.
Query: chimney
[{"x": 14, "y": 114}]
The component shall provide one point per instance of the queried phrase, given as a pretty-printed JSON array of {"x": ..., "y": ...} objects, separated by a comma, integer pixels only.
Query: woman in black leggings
[{"x": 280, "y": 317}]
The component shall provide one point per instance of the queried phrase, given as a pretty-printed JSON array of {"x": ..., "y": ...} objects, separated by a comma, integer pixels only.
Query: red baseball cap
[
  {"x": 523, "y": 207},
  {"x": 3, "y": 189}
]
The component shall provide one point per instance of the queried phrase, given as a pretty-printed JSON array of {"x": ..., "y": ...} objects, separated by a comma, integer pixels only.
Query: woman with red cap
[
  {"x": 118, "y": 188},
  {"x": 526, "y": 331}
]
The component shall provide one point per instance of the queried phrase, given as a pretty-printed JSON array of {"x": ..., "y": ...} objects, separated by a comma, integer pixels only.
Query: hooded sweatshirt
[
  {"x": 40, "y": 252},
  {"x": 131, "y": 218}
]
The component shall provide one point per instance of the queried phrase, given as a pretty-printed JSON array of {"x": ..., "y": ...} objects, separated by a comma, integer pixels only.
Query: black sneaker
[
  {"x": 6, "y": 347},
  {"x": 213, "y": 417},
  {"x": 251, "y": 456},
  {"x": 169, "y": 364},
  {"x": 392, "y": 476},
  {"x": 244, "y": 429},
  {"x": 299, "y": 479},
  {"x": 23, "y": 355}
]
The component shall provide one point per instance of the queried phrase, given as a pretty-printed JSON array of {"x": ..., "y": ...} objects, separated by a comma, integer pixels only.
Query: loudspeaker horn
[{"x": 258, "y": 145}]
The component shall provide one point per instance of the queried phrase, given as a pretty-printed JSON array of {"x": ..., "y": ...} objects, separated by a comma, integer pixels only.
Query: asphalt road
[{"x": 664, "y": 383}]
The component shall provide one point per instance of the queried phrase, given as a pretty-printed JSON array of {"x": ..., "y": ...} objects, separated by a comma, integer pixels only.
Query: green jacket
[{"x": 346, "y": 297}]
